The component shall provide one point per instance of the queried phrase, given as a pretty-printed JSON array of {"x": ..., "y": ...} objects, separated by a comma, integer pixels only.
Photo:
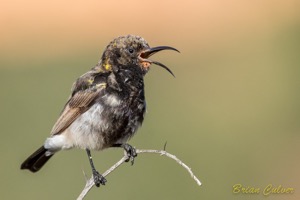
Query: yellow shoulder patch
[
  {"x": 90, "y": 81},
  {"x": 101, "y": 85},
  {"x": 107, "y": 67}
]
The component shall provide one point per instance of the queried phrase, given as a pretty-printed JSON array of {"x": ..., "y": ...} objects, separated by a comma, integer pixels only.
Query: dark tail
[{"x": 37, "y": 160}]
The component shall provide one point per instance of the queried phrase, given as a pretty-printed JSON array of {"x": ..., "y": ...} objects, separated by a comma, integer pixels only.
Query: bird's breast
[{"x": 123, "y": 114}]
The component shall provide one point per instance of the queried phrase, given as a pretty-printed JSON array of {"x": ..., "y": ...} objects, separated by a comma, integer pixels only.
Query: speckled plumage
[{"x": 107, "y": 104}]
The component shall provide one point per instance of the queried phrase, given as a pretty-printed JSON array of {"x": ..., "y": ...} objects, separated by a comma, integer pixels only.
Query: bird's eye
[{"x": 130, "y": 50}]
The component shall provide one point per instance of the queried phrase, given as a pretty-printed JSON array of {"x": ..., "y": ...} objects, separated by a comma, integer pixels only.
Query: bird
[{"x": 106, "y": 106}]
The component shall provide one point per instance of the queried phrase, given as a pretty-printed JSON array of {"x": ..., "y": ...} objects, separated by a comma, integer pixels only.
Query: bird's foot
[
  {"x": 131, "y": 153},
  {"x": 98, "y": 178}
]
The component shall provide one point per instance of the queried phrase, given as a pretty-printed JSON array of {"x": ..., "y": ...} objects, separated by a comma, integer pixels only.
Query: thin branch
[{"x": 90, "y": 183}]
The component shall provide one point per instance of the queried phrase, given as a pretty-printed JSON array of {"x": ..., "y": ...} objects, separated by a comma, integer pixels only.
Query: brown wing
[{"x": 77, "y": 104}]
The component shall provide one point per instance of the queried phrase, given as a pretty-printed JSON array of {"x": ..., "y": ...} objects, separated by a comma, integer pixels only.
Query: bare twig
[{"x": 90, "y": 183}]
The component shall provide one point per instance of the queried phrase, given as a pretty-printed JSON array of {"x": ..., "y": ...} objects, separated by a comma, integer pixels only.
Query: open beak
[{"x": 144, "y": 55}]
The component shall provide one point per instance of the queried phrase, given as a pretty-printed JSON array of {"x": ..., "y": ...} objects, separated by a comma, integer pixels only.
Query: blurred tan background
[{"x": 232, "y": 113}]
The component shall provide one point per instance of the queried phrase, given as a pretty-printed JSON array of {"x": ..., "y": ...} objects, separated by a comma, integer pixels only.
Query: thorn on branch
[{"x": 165, "y": 146}]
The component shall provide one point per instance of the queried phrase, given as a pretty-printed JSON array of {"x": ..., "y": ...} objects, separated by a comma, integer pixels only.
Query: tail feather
[{"x": 36, "y": 160}]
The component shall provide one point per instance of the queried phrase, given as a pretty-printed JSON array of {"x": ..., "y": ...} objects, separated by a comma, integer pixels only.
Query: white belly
[{"x": 84, "y": 132}]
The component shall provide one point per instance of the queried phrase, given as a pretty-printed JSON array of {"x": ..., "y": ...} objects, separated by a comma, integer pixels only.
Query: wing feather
[{"x": 80, "y": 102}]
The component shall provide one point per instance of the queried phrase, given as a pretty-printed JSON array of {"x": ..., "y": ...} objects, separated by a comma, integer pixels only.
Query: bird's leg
[
  {"x": 131, "y": 153},
  {"x": 98, "y": 178}
]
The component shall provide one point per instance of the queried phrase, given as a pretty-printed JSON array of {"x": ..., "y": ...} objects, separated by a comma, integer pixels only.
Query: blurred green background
[{"x": 232, "y": 113}]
